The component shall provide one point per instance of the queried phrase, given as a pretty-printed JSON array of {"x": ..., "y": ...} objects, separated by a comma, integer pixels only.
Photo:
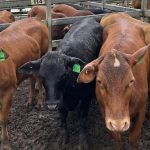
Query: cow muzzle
[
  {"x": 118, "y": 125},
  {"x": 51, "y": 105}
]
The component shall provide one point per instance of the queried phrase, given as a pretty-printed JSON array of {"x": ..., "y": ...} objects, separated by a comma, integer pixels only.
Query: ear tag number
[
  {"x": 2, "y": 55},
  {"x": 76, "y": 68}
]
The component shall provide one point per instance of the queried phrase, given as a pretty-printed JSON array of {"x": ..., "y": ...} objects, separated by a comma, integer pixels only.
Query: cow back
[
  {"x": 25, "y": 40},
  {"x": 88, "y": 39}
]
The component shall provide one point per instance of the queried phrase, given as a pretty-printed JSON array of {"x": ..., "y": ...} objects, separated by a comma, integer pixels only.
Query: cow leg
[
  {"x": 64, "y": 134},
  {"x": 83, "y": 113},
  {"x": 31, "y": 92},
  {"x": 136, "y": 131},
  {"x": 40, "y": 102},
  {"x": 6, "y": 102}
]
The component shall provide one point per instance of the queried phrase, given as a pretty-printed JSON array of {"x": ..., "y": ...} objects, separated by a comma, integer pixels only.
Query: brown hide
[
  {"x": 121, "y": 83},
  {"x": 111, "y": 18},
  {"x": 6, "y": 17},
  {"x": 69, "y": 11},
  {"x": 40, "y": 12},
  {"x": 137, "y": 4},
  {"x": 23, "y": 41}
]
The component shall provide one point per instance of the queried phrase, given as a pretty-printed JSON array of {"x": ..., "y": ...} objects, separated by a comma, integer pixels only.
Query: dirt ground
[{"x": 39, "y": 130}]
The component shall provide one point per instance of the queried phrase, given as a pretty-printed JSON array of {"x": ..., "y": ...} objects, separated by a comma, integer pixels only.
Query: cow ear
[
  {"x": 137, "y": 57},
  {"x": 75, "y": 64},
  {"x": 89, "y": 71},
  {"x": 87, "y": 74},
  {"x": 30, "y": 68}
]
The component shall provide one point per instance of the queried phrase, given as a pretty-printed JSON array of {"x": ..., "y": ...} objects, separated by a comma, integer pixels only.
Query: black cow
[{"x": 59, "y": 71}]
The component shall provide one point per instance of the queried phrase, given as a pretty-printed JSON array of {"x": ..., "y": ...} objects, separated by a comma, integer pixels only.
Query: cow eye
[{"x": 101, "y": 84}]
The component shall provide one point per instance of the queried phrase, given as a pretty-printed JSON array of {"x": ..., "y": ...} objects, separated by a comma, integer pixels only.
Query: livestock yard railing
[
  {"x": 102, "y": 4},
  {"x": 113, "y": 5}
]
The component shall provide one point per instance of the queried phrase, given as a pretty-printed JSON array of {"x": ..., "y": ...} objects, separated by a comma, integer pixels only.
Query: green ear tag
[
  {"x": 76, "y": 68},
  {"x": 2, "y": 55},
  {"x": 139, "y": 61}
]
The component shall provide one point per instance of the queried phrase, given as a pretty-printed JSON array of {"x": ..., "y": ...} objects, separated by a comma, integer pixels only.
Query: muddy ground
[{"x": 39, "y": 130}]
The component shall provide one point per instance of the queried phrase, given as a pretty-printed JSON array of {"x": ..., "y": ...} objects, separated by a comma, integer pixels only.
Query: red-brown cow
[
  {"x": 58, "y": 31},
  {"x": 121, "y": 73},
  {"x": 69, "y": 11},
  {"x": 137, "y": 4},
  {"x": 22, "y": 41},
  {"x": 6, "y": 17},
  {"x": 145, "y": 26},
  {"x": 38, "y": 11}
]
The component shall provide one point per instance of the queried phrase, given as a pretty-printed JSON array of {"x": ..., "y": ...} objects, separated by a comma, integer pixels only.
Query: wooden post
[{"x": 49, "y": 22}]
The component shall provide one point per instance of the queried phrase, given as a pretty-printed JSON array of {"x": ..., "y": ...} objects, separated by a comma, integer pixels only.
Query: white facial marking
[{"x": 117, "y": 62}]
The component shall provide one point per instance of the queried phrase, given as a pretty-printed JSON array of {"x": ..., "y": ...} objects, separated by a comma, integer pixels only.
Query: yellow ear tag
[{"x": 76, "y": 68}]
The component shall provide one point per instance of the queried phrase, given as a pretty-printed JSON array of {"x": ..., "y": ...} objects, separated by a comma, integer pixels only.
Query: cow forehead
[{"x": 114, "y": 67}]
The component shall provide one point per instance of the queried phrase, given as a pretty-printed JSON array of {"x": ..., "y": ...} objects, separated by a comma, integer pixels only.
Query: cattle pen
[
  {"x": 99, "y": 4},
  {"x": 38, "y": 130}
]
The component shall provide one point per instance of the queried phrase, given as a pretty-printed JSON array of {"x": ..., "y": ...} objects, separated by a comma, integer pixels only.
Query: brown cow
[
  {"x": 108, "y": 19},
  {"x": 22, "y": 41},
  {"x": 137, "y": 4},
  {"x": 58, "y": 31},
  {"x": 121, "y": 73},
  {"x": 6, "y": 17},
  {"x": 38, "y": 11},
  {"x": 69, "y": 11}
]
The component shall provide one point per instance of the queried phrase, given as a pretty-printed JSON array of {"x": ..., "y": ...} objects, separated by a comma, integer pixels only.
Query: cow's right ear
[{"x": 30, "y": 68}]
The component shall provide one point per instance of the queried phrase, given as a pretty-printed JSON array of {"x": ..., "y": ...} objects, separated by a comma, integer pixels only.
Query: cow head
[
  {"x": 114, "y": 85},
  {"x": 56, "y": 70}
]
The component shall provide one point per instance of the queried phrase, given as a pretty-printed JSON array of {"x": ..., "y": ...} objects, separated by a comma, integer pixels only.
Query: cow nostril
[
  {"x": 126, "y": 126},
  {"x": 111, "y": 126}
]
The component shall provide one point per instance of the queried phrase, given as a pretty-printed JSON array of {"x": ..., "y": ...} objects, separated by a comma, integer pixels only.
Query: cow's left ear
[
  {"x": 137, "y": 57},
  {"x": 75, "y": 64},
  {"x": 30, "y": 68}
]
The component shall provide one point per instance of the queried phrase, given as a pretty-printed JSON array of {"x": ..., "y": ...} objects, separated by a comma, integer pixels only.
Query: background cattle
[
  {"x": 59, "y": 70},
  {"x": 93, "y": 10},
  {"x": 22, "y": 41},
  {"x": 6, "y": 17},
  {"x": 137, "y": 4},
  {"x": 58, "y": 31},
  {"x": 70, "y": 11},
  {"x": 121, "y": 73}
]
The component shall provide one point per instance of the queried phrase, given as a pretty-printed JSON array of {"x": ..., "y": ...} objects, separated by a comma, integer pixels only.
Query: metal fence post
[
  {"x": 49, "y": 22},
  {"x": 144, "y": 8},
  {"x": 103, "y": 4}
]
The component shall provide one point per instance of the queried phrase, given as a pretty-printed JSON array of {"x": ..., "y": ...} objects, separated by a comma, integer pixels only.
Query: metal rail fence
[{"x": 103, "y": 4}]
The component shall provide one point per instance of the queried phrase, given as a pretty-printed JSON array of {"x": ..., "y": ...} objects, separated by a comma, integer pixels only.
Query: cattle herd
[{"x": 108, "y": 58}]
